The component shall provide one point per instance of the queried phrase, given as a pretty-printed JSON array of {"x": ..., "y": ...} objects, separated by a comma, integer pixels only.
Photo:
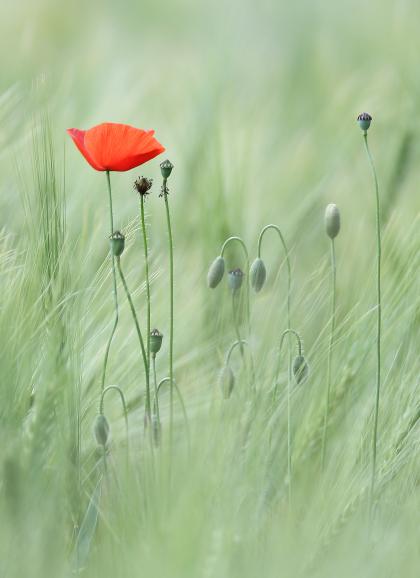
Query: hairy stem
[{"x": 146, "y": 259}]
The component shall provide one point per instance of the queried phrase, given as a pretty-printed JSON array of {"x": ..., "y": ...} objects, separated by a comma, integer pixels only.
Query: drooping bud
[
  {"x": 364, "y": 119},
  {"x": 300, "y": 369},
  {"x": 101, "y": 429},
  {"x": 257, "y": 274},
  {"x": 117, "y": 243},
  {"x": 332, "y": 220},
  {"x": 143, "y": 185},
  {"x": 166, "y": 168},
  {"x": 155, "y": 341},
  {"x": 235, "y": 278},
  {"x": 226, "y": 381},
  {"x": 216, "y": 272}
]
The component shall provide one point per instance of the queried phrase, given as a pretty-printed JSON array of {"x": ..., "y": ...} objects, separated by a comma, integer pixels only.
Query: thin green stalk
[
  {"x": 143, "y": 349},
  {"x": 236, "y": 327},
  {"x": 155, "y": 391},
  {"x": 123, "y": 403},
  {"x": 378, "y": 328},
  {"x": 330, "y": 348},
  {"x": 114, "y": 277},
  {"x": 146, "y": 259},
  {"x": 171, "y": 312},
  {"x": 245, "y": 250}
]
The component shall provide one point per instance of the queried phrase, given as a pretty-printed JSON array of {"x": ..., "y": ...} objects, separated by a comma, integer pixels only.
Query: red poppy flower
[{"x": 116, "y": 147}]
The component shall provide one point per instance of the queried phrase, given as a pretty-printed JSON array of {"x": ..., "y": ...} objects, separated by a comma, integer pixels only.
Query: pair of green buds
[{"x": 216, "y": 272}]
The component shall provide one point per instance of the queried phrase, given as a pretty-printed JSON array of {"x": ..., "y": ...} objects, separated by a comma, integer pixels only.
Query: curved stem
[
  {"x": 245, "y": 250},
  {"x": 330, "y": 348},
  {"x": 180, "y": 398},
  {"x": 114, "y": 278},
  {"x": 289, "y": 269},
  {"x": 171, "y": 312},
  {"x": 378, "y": 328},
  {"x": 146, "y": 259},
  {"x": 136, "y": 323},
  {"x": 241, "y": 343},
  {"x": 123, "y": 403}
]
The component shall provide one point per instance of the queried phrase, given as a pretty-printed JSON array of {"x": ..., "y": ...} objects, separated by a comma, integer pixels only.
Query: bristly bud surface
[
  {"x": 332, "y": 220},
  {"x": 117, "y": 243},
  {"x": 216, "y": 272},
  {"x": 257, "y": 274},
  {"x": 235, "y": 278},
  {"x": 156, "y": 338},
  {"x": 143, "y": 185},
  {"x": 364, "y": 119}
]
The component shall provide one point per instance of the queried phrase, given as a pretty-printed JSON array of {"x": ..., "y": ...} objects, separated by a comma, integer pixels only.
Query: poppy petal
[
  {"x": 120, "y": 147},
  {"x": 78, "y": 137}
]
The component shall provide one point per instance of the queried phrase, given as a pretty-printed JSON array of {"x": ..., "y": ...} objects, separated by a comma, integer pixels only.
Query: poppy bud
[
  {"x": 166, "y": 168},
  {"x": 155, "y": 341},
  {"x": 143, "y": 185},
  {"x": 257, "y": 274},
  {"x": 117, "y": 242},
  {"x": 101, "y": 429},
  {"x": 226, "y": 381},
  {"x": 300, "y": 369},
  {"x": 216, "y": 272},
  {"x": 235, "y": 279},
  {"x": 332, "y": 220},
  {"x": 364, "y": 119}
]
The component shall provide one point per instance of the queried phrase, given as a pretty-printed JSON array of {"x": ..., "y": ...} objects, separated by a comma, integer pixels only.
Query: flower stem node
[
  {"x": 101, "y": 429},
  {"x": 300, "y": 369},
  {"x": 226, "y": 381},
  {"x": 143, "y": 185},
  {"x": 166, "y": 168},
  {"x": 257, "y": 274},
  {"x": 332, "y": 220},
  {"x": 216, "y": 272},
  {"x": 364, "y": 119},
  {"x": 156, "y": 338},
  {"x": 235, "y": 278},
  {"x": 117, "y": 243}
]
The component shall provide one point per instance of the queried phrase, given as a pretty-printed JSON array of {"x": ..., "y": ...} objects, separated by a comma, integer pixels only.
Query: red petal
[
  {"x": 120, "y": 147},
  {"x": 78, "y": 137}
]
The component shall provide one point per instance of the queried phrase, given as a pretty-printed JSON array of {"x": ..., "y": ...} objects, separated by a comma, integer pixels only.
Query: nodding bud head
[
  {"x": 226, "y": 381},
  {"x": 101, "y": 429},
  {"x": 117, "y": 242},
  {"x": 235, "y": 279},
  {"x": 216, "y": 272},
  {"x": 332, "y": 220},
  {"x": 300, "y": 369},
  {"x": 143, "y": 185},
  {"x": 166, "y": 168},
  {"x": 364, "y": 119},
  {"x": 257, "y": 274},
  {"x": 155, "y": 341}
]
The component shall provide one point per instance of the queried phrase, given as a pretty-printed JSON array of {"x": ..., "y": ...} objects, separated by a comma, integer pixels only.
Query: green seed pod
[
  {"x": 257, "y": 274},
  {"x": 226, "y": 381},
  {"x": 117, "y": 243},
  {"x": 216, "y": 272},
  {"x": 166, "y": 168},
  {"x": 155, "y": 341},
  {"x": 332, "y": 220},
  {"x": 101, "y": 429},
  {"x": 235, "y": 278},
  {"x": 364, "y": 119},
  {"x": 300, "y": 369}
]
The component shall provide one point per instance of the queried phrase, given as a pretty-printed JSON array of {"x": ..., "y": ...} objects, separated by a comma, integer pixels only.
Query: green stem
[
  {"x": 245, "y": 250},
  {"x": 123, "y": 403},
  {"x": 330, "y": 348},
  {"x": 236, "y": 326},
  {"x": 155, "y": 388},
  {"x": 171, "y": 312},
  {"x": 114, "y": 277},
  {"x": 146, "y": 259},
  {"x": 181, "y": 401},
  {"x": 143, "y": 350},
  {"x": 241, "y": 343},
  {"x": 378, "y": 328}
]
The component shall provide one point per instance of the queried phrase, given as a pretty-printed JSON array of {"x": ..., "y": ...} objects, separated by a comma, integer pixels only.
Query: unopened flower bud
[
  {"x": 364, "y": 119},
  {"x": 332, "y": 220},
  {"x": 143, "y": 185},
  {"x": 257, "y": 274},
  {"x": 226, "y": 381},
  {"x": 101, "y": 429},
  {"x": 155, "y": 341},
  {"x": 117, "y": 243},
  {"x": 235, "y": 279},
  {"x": 216, "y": 272},
  {"x": 300, "y": 369},
  {"x": 166, "y": 168}
]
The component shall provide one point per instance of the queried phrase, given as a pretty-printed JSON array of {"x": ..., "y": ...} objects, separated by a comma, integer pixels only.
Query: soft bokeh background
[{"x": 256, "y": 104}]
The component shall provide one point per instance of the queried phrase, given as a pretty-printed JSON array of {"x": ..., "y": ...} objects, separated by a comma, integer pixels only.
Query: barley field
[{"x": 268, "y": 445}]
